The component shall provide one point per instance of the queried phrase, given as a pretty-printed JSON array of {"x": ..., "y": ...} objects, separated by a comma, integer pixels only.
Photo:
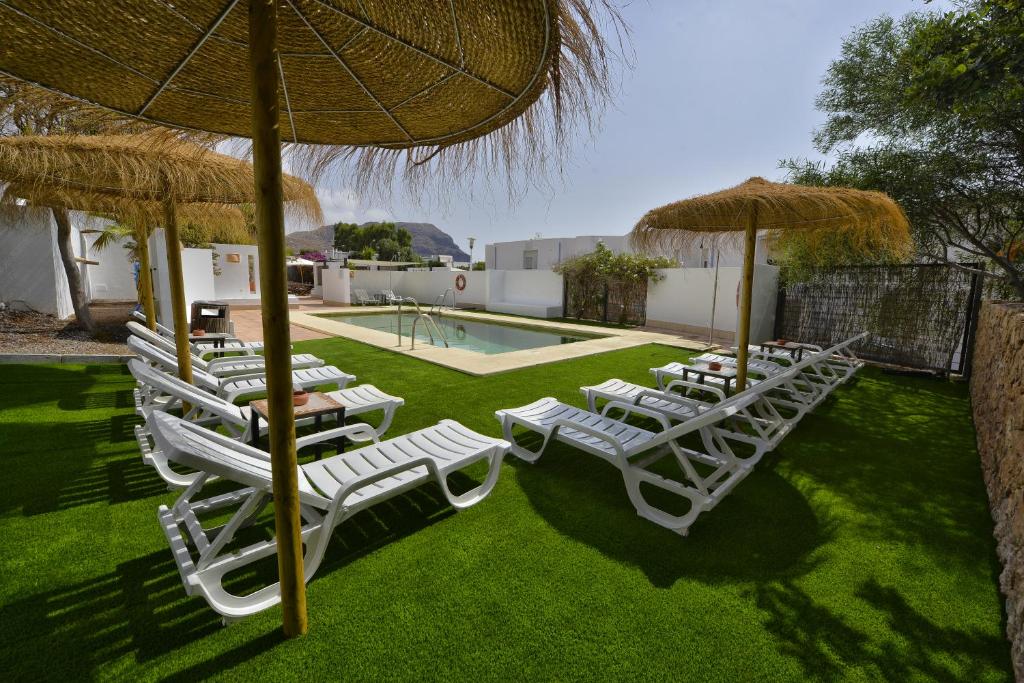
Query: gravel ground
[{"x": 27, "y": 332}]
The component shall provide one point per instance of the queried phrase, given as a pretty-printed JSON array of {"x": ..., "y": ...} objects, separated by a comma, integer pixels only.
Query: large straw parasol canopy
[
  {"x": 85, "y": 171},
  {"x": 355, "y": 72},
  {"x": 871, "y": 221},
  {"x": 448, "y": 78}
]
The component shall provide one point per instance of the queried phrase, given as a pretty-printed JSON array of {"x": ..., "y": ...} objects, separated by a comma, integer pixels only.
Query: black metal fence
[
  {"x": 610, "y": 302},
  {"x": 919, "y": 316}
]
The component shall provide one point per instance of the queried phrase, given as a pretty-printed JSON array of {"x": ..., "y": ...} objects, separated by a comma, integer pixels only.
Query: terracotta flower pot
[
  {"x": 198, "y": 333},
  {"x": 714, "y": 365},
  {"x": 300, "y": 398}
]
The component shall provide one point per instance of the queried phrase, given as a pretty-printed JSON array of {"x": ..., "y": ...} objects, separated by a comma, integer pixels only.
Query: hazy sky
[{"x": 721, "y": 90}]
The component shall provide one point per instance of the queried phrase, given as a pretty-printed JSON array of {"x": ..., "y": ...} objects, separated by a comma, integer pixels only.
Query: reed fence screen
[
  {"x": 612, "y": 301},
  {"x": 919, "y": 316}
]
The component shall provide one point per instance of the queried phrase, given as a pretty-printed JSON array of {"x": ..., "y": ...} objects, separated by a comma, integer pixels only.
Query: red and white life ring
[{"x": 460, "y": 282}]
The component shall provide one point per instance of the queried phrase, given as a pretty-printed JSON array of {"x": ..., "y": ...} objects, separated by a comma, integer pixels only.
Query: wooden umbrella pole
[
  {"x": 177, "y": 287},
  {"x": 266, "y": 157},
  {"x": 747, "y": 287},
  {"x": 145, "y": 279}
]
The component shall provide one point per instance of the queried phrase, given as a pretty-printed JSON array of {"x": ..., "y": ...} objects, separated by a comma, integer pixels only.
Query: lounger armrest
[
  {"x": 355, "y": 432},
  {"x": 705, "y": 388},
  {"x": 629, "y": 408},
  {"x": 244, "y": 378}
]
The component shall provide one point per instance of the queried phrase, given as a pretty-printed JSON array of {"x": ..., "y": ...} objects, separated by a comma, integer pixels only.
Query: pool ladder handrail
[
  {"x": 441, "y": 300},
  {"x": 419, "y": 315}
]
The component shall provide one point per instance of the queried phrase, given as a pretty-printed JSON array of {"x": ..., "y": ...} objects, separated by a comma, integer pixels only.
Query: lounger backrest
[
  {"x": 201, "y": 449},
  {"x": 167, "y": 361},
  {"x": 152, "y": 337},
  {"x": 180, "y": 389},
  {"x": 744, "y": 399}
]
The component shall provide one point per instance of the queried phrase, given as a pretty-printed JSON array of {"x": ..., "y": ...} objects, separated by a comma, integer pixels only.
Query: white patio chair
[
  {"x": 388, "y": 297},
  {"x": 226, "y": 365},
  {"x": 212, "y": 411},
  {"x": 236, "y": 386},
  {"x": 330, "y": 492},
  {"x": 362, "y": 298}
]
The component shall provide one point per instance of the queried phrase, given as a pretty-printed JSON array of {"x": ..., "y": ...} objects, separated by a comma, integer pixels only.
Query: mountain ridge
[{"x": 427, "y": 239}]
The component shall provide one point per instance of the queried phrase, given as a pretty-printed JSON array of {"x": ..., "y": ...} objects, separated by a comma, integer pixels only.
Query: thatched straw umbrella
[
  {"x": 377, "y": 76},
  {"x": 871, "y": 222},
  {"x": 144, "y": 178}
]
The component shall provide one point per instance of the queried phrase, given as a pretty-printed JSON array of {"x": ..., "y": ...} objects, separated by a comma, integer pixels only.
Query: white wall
[
  {"x": 552, "y": 251},
  {"x": 233, "y": 281},
  {"x": 525, "y": 286},
  {"x": 684, "y": 298},
  {"x": 425, "y": 286},
  {"x": 114, "y": 278},
  {"x": 336, "y": 284},
  {"x": 197, "y": 272},
  {"x": 31, "y": 273}
]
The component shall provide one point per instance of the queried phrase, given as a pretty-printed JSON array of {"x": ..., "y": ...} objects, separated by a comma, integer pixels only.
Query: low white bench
[{"x": 533, "y": 309}]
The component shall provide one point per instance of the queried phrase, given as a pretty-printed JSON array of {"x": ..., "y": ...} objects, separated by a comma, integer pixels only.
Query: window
[{"x": 530, "y": 260}]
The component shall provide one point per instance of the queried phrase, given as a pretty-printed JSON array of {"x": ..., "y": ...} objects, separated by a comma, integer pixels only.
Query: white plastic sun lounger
[
  {"x": 758, "y": 424},
  {"x": 632, "y": 449},
  {"x": 204, "y": 349},
  {"x": 212, "y": 411},
  {"x": 330, "y": 492},
  {"x": 362, "y": 298},
  {"x": 844, "y": 361},
  {"x": 236, "y": 386},
  {"x": 226, "y": 365}
]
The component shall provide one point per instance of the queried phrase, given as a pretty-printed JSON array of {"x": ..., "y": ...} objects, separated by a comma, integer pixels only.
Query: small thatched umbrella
[
  {"x": 143, "y": 178},
  {"x": 216, "y": 222},
  {"x": 871, "y": 222},
  {"x": 379, "y": 76}
]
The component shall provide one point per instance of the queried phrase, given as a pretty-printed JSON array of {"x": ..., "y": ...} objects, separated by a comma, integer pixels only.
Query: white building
[{"x": 547, "y": 252}]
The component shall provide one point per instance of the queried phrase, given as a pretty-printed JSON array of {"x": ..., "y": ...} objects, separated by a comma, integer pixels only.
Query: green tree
[
  {"x": 930, "y": 109},
  {"x": 387, "y": 240}
]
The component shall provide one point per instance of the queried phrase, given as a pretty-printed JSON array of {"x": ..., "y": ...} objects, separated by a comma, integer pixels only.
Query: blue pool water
[{"x": 470, "y": 335}]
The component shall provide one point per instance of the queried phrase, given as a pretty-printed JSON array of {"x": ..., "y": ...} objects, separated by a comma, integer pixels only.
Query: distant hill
[{"x": 427, "y": 240}]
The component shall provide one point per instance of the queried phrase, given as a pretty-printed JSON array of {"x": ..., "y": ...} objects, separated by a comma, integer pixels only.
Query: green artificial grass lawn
[{"x": 860, "y": 549}]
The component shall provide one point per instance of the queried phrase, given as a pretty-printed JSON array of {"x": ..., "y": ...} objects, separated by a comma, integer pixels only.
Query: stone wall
[{"x": 997, "y": 394}]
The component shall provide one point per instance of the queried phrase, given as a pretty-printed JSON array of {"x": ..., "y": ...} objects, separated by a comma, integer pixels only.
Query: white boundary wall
[
  {"x": 525, "y": 292},
  {"x": 197, "y": 272},
  {"x": 114, "y": 278},
  {"x": 425, "y": 286},
  {"x": 683, "y": 300},
  {"x": 31, "y": 273},
  {"x": 233, "y": 282},
  {"x": 336, "y": 284}
]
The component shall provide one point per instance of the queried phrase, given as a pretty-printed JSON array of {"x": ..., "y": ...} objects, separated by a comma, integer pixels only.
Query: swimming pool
[{"x": 470, "y": 335}]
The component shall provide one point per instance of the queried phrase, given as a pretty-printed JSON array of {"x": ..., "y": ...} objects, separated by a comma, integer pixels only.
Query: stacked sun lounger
[{"x": 714, "y": 440}]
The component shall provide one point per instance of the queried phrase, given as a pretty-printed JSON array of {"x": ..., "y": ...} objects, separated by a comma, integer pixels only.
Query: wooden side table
[
  {"x": 795, "y": 350},
  {"x": 726, "y": 373},
  {"x": 319, "y": 404},
  {"x": 218, "y": 339}
]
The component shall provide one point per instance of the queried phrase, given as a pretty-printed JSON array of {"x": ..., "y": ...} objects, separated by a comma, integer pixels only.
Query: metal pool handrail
[
  {"x": 441, "y": 300},
  {"x": 419, "y": 314}
]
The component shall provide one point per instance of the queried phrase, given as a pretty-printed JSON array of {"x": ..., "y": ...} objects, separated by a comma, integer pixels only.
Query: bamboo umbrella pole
[
  {"x": 747, "y": 286},
  {"x": 145, "y": 278},
  {"x": 714, "y": 301},
  {"x": 177, "y": 287},
  {"x": 266, "y": 155}
]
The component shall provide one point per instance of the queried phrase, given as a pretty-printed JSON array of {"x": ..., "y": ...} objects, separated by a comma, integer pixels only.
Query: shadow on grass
[
  {"x": 141, "y": 610},
  {"x": 901, "y": 451},
  {"x": 766, "y": 528},
  {"x": 826, "y": 647}
]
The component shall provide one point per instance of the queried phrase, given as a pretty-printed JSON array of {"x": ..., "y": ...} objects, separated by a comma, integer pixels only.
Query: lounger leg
[{"x": 507, "y": 423}]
